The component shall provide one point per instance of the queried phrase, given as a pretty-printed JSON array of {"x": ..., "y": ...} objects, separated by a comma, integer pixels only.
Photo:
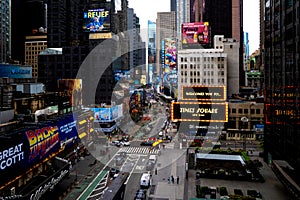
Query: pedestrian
[
  {"x": 169, "y": 180},
  {"x": 172, "y": 179},
  {"x": 177, "y": 179}
]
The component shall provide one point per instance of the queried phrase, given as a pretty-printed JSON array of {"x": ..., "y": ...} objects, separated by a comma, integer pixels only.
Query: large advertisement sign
[
  {"x": 97, "y": 20},
  {"x": 195, "y": 33},
  {"x": 102, "y": 114},
  {"x": 72, "y": 90},
  {"x": 107, "y": 114},
  {"x": 209, "y": 93},
  {"x": 14, "y": 71},
  {"x": 170, "y": 64},
  {"x": 201, "y": 112},
  {"x": 26, "y": 147},
  {"x": 278, "y": 114}
]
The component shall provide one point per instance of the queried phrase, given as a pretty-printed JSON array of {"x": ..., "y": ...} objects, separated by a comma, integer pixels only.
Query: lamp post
[{"x": 245, "y": 121}]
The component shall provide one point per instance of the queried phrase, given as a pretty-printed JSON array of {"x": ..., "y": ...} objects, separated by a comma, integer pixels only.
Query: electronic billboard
[
  {"x": 23, "y": 148},
  {"x": 278, "y": 114},
  {"x": 15, "y": 71},
  {"x": 72, "y": 89},
  {"x": 204, "y": 93},
  {"x": 195, "y": 33},
  {"x": 97, "y": 20},
  {"x": 169, "y": 59},
  {"x": 199, "y": 111}
]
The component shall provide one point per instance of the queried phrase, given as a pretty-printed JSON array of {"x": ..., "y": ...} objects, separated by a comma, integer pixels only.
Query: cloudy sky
[{"x": 147, "y": 10}]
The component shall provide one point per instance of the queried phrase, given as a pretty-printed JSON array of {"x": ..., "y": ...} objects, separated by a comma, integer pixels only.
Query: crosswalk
[{"x": 140, "y": 150}]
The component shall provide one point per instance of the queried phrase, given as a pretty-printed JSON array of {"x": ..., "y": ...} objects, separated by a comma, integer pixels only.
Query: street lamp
[{"x": 245, "y": 121}]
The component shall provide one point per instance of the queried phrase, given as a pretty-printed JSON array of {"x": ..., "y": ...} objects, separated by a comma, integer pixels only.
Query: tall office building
[
  {"x": 4, "y": 31},
  {"x": 173, "y": 5},
  {"x": 224, "y": 18},
  {"x": 282, "y": 82},
  {"x": 35, "y": 21},
  {"x": 182, "y": 15},
  {"x": 136, "y": 47},
  {"x": 67, "y": 30},
  {"x": 165, "y": 28},
  {"x": 34, "y": 45},
  {"x": 151, "y": 53}
]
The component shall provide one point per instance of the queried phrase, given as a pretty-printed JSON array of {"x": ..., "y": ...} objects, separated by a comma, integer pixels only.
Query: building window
[
  {"x": 233, "y": 110},
  {"x": 240, "y": 111}
]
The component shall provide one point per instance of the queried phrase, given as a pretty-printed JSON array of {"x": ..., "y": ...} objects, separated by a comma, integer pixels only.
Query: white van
[
  {"x": 152, "y": 158},
  {"x": 145, "y": 181}
]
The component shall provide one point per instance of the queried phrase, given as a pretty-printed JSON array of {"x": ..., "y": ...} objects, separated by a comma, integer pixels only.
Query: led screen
[
  {"x": 203, "y": 112},
  {"x": 96, "y": 20}
]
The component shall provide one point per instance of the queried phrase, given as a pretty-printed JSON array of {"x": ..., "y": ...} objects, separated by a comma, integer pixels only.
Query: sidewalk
[{"x": 171, "y": 162}]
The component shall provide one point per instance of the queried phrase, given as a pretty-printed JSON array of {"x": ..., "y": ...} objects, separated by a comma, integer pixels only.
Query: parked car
[
  {"x": 141, "y": 194},
  {"x": 254, "y": 193}
]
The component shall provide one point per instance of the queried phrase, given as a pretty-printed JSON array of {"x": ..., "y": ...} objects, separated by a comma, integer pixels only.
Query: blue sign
[
  {"x": 15, "y": 71},
  {"x": 259, "y": 126}
]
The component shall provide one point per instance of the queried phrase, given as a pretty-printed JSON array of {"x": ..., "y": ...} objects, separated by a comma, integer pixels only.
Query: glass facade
[{"x": 282, "y": 81}]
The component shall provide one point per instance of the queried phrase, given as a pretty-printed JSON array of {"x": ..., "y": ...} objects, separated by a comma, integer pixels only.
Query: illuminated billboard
[
  {"x": 278, "y": 114},
  {"x": 204, "y": 93},
  {"x": 195, "y": 33},
  {"x": 201, "y": 112},
  {"x": 97, "y": 20},
  {"x": 15, "y": 71},
  {"x": 170, "y": 64},
  {"x": 107, "y": 114},
  {"x": 72, "y": 90},
  {"x": 24, "y": 148}
]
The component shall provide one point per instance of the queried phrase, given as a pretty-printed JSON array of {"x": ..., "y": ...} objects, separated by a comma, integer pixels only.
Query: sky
[{"x": 147, "y": 10}]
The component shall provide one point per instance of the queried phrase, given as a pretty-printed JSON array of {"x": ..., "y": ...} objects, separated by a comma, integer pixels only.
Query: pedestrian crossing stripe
[{"x": 140, "y": 150}]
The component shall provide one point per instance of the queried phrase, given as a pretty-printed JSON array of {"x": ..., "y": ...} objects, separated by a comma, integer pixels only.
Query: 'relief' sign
[
  {"x": 204, "y": 93},
  {"x": 199, "y": 111}
]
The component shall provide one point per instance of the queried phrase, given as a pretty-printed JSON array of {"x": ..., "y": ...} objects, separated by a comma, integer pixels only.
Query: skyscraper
[
  {"x": 224, "y": 18},
  {"x": 66, "y": 30},
  {"x": 151, "y": 52},
  {"x": 282, "y": 82},
  {"x": 165, "y": 28},
  {"x": 36, "y": 21},
  {"x": 4, "y": 31}
]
